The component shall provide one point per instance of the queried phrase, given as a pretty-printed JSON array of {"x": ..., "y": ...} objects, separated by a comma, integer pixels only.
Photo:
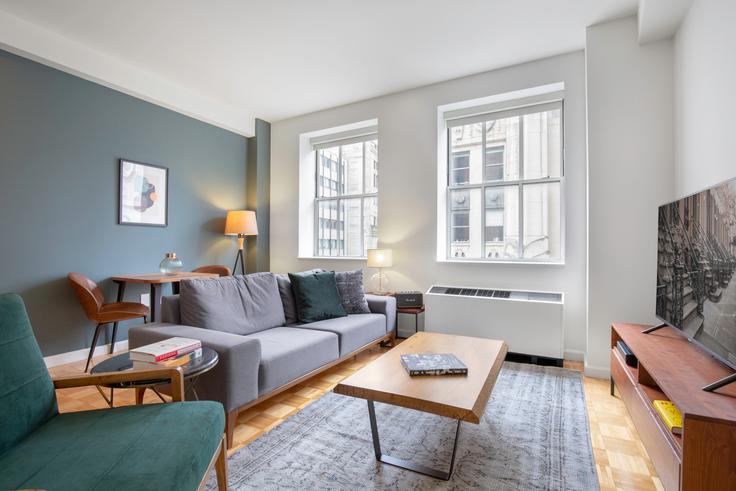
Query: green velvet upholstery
[
  {"x": 27, "y": 398},
  {"x": 154, "y": 446},
  {"x": 317, "y": 297}
]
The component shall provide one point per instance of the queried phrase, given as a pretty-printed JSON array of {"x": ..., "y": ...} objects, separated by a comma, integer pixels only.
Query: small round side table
[{"x": 192, "y": 370}]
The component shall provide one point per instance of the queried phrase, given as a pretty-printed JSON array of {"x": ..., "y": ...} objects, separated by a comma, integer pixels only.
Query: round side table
[{"x": 191, "y": 371}]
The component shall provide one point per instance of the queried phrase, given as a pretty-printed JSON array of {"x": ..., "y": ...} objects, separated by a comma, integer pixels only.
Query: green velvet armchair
[{"x": 153, "y": 446}]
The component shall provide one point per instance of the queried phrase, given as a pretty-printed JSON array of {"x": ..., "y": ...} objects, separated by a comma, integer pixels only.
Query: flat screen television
[{"x": 696, "y": 268}]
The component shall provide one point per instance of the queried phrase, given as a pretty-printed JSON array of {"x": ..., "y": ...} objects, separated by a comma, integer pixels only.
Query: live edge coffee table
[{"x": 460, "y": 397}]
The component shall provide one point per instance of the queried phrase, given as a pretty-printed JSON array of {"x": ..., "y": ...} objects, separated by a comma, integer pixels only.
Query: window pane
[
  {"x": 352, "y": 168},
  {"x": 543, "y": 144},
  {"x": 327, "y": 172},
  {"x": 502, "y": 223},
  {"x": 370, "y": 223},
  {"x": 466, "y": 154},
  {"x": 352, "y": 243},
  {"x": 371, "y": 166},
  {"x": 542, "y": 224},
  {"x": 328, "y": 228},
  {"x": 502, "y": 149},
  {"x": 465, "y": 223}
]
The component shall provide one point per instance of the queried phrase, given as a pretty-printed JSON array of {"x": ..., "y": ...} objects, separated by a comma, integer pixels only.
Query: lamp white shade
[
  {"x": 380, "y": 258},
  {"x": 241, "y": 222}
]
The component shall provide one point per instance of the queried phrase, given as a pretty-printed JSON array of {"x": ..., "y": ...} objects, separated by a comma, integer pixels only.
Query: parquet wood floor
[{"x": 621, "y": 460}]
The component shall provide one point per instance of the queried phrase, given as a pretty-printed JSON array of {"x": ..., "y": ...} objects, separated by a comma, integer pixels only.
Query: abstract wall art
[{"x": 143, "y": 194}]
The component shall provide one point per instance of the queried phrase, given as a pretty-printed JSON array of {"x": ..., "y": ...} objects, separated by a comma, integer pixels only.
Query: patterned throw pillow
[{"x": 350, "y": 286}]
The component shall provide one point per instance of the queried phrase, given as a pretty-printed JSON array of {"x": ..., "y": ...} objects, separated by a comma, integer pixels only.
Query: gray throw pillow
[
  {"x": 287, "y": 296},
  {"x": 350, "y": 286}
]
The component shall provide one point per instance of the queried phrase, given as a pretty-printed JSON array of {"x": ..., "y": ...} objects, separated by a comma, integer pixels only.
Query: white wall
[
  {"x": 630, "y": 162},
  {"x": 407, "y": 126},
  {"x": 705, "y": 96}
]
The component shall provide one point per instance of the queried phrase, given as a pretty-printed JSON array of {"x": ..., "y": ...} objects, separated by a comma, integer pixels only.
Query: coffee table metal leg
[{"x": 405, "y": 464}]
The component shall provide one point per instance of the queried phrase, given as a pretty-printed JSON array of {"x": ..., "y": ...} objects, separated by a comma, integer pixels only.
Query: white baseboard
[
  {"x": 81, "y": 354},
  {"x": 597, "y": 372},
  {"x": 574, "y": 355}
]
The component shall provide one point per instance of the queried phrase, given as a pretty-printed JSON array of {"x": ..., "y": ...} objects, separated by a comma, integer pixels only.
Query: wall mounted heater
[{"x": 531, "y": 323}]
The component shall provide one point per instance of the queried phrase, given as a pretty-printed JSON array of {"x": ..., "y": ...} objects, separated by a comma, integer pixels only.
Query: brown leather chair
[
  {"x": 103, "y": 313},
  {"x": 214, "y": 268}
]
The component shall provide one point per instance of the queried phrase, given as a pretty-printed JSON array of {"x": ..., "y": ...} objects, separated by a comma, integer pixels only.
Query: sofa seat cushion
[
  {"x": 353, "y": 331},
  {"x": 154, "y": 446},
  {"x": 288, "y": 353}
]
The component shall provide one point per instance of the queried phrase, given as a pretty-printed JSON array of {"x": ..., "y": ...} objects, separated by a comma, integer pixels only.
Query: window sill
[
  {"x": 331, "y": 258},
  {"x": 481, "y": 261}
]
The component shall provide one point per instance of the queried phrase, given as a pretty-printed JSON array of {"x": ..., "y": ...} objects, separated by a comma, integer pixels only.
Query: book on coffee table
[{"x": 433, "y": 364}]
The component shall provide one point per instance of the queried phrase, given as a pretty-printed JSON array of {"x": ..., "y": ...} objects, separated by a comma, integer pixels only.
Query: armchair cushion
[
  {"x": 27, "y": 397},
  {"x": 155, "y": 446}
]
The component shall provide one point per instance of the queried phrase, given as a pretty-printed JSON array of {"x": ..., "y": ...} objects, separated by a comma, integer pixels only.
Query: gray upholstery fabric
[
  {"x": 234, "y": 380},
  {"x": 353, "y": 331},
  {"x": 385, "y": 305},
  {"x": 170, "y": 309},
  {"x": 235, "y": 304},
  {"x": 350, "y": 286},
  {"x": 288, "y": 353},
  {"x": 288, "y": 301}
]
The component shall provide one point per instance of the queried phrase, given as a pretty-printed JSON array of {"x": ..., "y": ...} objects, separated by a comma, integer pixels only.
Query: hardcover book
[
  {"x": 163, "y": 350},
  {"x": 670, "y": 415},
  {"x": 433, "y": 364}
]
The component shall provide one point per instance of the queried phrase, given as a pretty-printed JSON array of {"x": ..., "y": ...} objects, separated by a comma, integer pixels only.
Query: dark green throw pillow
[{"x": 317, "y": 297}]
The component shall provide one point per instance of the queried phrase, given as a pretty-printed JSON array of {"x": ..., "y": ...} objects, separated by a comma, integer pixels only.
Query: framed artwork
[{"x": 144, "y": 194}]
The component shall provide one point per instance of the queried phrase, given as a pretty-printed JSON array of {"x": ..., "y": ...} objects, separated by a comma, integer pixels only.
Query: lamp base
[
  {"x": 239, "y": 258},
  {"x": 379, "y": 283}
]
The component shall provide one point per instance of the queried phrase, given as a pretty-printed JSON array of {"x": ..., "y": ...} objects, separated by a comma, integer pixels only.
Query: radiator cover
[{"x": 531, "y": 322}]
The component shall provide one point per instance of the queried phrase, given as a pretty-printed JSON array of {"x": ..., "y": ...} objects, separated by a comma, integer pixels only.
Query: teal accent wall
[{"x": 60, "y": 141}]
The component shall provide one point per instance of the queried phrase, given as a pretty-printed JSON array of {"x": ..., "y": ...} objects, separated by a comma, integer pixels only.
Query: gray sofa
[{"x": 251, "y": 322}]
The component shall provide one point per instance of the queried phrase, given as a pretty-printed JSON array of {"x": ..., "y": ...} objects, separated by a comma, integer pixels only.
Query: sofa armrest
[
  {"x": 234, "y": 380},
  {"x": 386, "y": 305}
]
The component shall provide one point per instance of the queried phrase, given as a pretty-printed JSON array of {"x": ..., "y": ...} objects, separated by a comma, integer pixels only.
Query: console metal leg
[
  {"x": 405, "y": 464},
  {"x": 613, "y": 387}
]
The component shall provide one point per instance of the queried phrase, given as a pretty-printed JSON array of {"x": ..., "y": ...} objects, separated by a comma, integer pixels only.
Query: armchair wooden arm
[{"x": 174, "y": 374}]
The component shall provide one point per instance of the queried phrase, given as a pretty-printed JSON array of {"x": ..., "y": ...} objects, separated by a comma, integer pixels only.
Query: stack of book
[{"x": 172, "y": 352}]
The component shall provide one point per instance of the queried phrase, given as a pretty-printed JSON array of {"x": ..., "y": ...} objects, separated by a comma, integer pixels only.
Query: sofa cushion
[
  {"x": 353, "y": 331},
  {"x": 352, "y": 295},
  {"x": 125, "y": 448},
  {"x": 236, "y": 304},
  {"x": 288, "y": 300},
  {"x": 27, "y": 397},
  {"x": 317, "y": 297},
  {"x": 288, "y": 353}
]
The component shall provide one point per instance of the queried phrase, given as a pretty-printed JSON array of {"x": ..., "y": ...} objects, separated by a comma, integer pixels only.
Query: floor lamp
[{"x": 241, "y": 223}]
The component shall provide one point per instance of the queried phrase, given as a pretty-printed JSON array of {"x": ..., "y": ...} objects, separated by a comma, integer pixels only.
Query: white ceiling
[{"x": 227, "y": 61}]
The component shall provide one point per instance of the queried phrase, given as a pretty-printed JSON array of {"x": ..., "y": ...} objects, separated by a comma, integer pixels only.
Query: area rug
[{"x": 533, "y": 436}]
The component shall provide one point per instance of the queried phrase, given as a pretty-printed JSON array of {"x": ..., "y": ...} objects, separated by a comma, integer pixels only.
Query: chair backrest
[
  {"x": 214, "y": 268},
  {"x": 90, "y": 295},
  {"x": 28, "y": 399}
]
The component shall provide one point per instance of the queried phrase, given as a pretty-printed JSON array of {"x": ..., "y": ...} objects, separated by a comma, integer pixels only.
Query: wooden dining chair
[
  {"x": 93, "y": 303},
  {"x": 215, "y": 269}
]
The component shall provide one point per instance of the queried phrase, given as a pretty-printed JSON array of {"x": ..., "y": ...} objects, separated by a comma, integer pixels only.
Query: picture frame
[{"x": 143, "y": 194}]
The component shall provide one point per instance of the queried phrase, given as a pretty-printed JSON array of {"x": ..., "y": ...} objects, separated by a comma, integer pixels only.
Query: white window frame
[
  {"x": 338, "y": 198},
  {"x": 469, "y": 114}
]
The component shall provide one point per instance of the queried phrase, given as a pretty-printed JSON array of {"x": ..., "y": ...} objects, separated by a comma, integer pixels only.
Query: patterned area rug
[{"x": 533, "y": 436}]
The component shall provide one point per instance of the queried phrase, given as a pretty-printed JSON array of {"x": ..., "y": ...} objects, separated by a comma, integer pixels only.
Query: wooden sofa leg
[
  {"x": 221, "y": 467},
  {"x": 231, "y": 421}
]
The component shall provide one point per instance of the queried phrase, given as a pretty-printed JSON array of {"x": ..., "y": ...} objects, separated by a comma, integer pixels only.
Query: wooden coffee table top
[{"x": 454, "y": 396}]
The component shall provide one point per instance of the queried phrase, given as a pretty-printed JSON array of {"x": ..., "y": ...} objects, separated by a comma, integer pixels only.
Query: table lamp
[
  {"x": 380, "y": 258},
  {"x": 241, "y": 223}
]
